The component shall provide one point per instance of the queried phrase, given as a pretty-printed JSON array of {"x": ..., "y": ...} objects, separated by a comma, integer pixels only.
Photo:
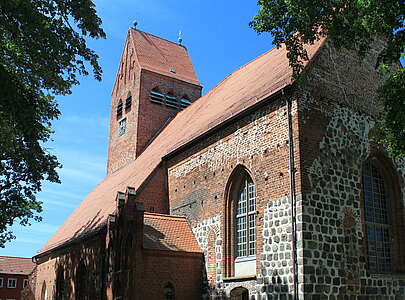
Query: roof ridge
[
  {"x": 226, "y": 78},
  {"x": 158, "y": 37},
  {"x": 163, "y": 216},
  {"x": 20, "y": 257}
]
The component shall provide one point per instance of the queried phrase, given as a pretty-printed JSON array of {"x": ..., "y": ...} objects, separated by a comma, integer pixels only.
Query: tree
[
  {"x": 352, "y": 24},
  {"x": 42, "y": 51}
]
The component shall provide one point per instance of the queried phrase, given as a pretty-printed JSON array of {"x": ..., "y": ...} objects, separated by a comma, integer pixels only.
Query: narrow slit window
[
  {"x": 119, "y": 108},
  {"x": 128, "y": 103}
]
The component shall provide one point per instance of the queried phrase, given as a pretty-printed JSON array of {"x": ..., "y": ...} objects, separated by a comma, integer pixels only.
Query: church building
[{"x": 266, "y": 187}]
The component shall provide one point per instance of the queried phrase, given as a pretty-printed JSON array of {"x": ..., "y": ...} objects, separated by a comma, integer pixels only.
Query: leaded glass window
[
  {"x": 246, "y": 219},
  {"x": 377, "y": 221},
  {"x": 122, "y": 126}
]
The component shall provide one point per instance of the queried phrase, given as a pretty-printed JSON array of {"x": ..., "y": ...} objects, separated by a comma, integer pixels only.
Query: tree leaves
[
  {"x": 42, "y": 50},
  {"x": 351, "y": 24}
]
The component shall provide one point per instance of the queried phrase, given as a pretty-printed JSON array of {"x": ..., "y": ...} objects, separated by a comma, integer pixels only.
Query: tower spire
[{"x": 134, "y": 24}]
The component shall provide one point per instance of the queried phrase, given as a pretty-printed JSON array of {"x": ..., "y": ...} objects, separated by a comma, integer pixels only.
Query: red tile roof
[
  {"x": 162, "y": 56},
  {"x": 16, "y": 265},
  {"x": 242, "y": 89},
  {"x": 166, "y": 232}
]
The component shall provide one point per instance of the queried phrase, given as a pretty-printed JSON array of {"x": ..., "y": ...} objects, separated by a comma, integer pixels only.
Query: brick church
[{"x": 263, "y": 188}]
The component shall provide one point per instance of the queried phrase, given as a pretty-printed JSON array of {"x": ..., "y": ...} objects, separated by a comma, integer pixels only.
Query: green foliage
[
  {"x": 351, "y": 24},
  {"x": 42, "y": 50},
  {"x": 391, "y": 129}
]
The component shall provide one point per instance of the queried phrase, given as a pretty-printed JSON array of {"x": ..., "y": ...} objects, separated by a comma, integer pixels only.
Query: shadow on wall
[{"x": 79, "y": 273}]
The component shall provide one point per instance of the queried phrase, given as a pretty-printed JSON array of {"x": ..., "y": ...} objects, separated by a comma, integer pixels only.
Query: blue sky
[{"x": 219, "y": 41}]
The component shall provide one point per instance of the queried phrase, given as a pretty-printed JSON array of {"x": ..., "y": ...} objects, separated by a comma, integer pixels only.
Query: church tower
[{"x": 155, "y": 80}]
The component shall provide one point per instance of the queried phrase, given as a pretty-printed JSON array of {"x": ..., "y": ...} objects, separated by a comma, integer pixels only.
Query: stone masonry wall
[
  {"x": 337, "y": 110},
  {"x": 197, "y": 181}
]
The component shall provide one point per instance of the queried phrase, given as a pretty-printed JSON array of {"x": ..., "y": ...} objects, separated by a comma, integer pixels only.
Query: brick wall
[
  {"x": 90, "y": 251},
  {"x": 122, "y": 149},
  {"x": 183, "y": 271},
  {"x": 153, "y": 117},
  {"x": 145, "y": 119},
  {"x": 12, "y": 293}
]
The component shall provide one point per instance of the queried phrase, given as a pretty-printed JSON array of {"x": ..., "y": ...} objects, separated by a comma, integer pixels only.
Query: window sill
[
  {"x": 240, "y": 278},
  {"x": 247, "y": 258}
]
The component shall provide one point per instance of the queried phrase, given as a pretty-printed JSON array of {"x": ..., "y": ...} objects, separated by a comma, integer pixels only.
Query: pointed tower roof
[{"x": 162, "y": 56}]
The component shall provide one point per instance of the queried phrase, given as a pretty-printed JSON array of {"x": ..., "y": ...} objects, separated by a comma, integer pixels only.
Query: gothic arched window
[
  {"x": 119, "y": 108},
  {"x": 128, "y": 102},
  {"x": 383, "y": 213},
  {"x": 44, "y": 292},
  {"x": 377, "y": 217},
  {"x": 240, "y": 224},
  {"x": 168, "y": 291},
  {"x": 245, "y": 219},
  {"x": 60, "y": 285},
  {"x": 81, "y": 282}
]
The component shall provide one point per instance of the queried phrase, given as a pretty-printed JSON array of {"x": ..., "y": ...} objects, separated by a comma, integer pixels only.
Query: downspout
[{"x": 292, "y": 170}]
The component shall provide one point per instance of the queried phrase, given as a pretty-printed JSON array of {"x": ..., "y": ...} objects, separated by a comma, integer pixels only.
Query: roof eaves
[
  {"x": 66, "y": 243},
  {"x": 180, "y": 78}
]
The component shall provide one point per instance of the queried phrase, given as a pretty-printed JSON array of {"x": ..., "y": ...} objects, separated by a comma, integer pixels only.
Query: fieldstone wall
[
  {"x": 337, "y": 113},
  {"x": 276, "y": 275},
  {"x": 334, "y": 247}
]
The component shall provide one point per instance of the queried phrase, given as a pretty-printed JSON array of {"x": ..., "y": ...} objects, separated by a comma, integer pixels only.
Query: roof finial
[
  {"x": 134, "y": 24},
  {"x": 180, "y": 39}
]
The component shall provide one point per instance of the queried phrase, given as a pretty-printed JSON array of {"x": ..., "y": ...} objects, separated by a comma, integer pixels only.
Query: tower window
[
  {"x": 172, "y": 101},
  {"x": 128, "y": 103},
  {"x": 119, "y": 108},
  {"x": 184, "y": 101},
  {"x": 122, "y": 126},
  {"x": 169, "y": 99},
  {"x": 157, "y": 97}
]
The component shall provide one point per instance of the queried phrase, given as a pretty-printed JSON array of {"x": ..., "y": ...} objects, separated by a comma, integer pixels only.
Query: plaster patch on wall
[{"x": 262, "y": 134}]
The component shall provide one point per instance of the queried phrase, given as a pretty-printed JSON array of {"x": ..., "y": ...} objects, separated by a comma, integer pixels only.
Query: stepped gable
[
  {"x": 168, "y": 233},
  {"x": 16, "y": 265},
  {"x": 244, "y": 88},
  {"x": 161, "y": 56}
]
